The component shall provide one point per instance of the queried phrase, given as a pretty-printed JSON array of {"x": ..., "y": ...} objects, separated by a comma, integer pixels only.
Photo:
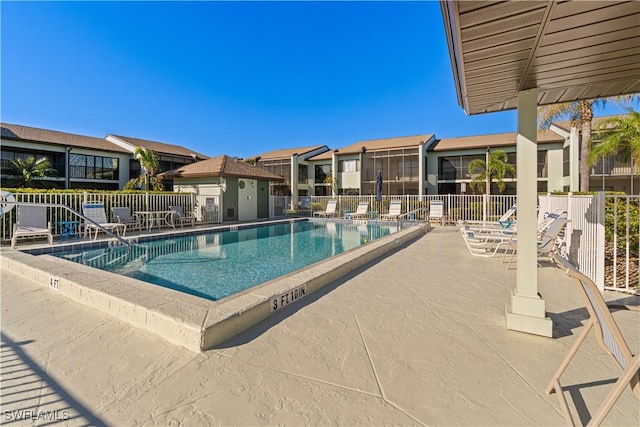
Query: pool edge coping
[{"x": 195, "y": 323}]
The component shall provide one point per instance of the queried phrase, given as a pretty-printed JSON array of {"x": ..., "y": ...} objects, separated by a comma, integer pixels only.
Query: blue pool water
[{"x": 217, "y": 265}]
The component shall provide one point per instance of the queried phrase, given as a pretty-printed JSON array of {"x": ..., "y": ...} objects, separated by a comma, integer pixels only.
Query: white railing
[
  {"x": 602, "y": 239},
  {"x": 135, "y": 201}
]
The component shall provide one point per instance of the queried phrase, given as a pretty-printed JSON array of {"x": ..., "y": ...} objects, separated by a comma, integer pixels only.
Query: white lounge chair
[
  {"x": 95, "y": 212},
  {"x": 361, "y": 212},
  {"x": 31, "y": 222},
  {"x": 123, "y": 216},
  {"x": 329, "y": 211},
  {"x": 395, "y": 210},
  {"x": 180, "y": 218},
  {"x": 504, "y": 222}
]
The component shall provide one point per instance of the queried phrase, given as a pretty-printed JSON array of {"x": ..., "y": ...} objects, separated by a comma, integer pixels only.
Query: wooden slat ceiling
[{"x": 569, "y": 50}]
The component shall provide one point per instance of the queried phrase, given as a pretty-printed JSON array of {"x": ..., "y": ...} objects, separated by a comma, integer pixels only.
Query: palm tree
[
  {"x": 498, "y": 169},
  {"x": 581, "y": 115},
  {"x": 150, "y": 163},
  {"x": 22, "y": 172},
  {"x": 620, "y": 137}
]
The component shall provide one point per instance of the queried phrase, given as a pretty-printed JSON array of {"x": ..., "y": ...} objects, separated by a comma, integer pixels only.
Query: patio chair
[
  {"x": 31, "y": 222},
  {"x": 609, "y": 338},
  {"x": 96, "y": 213},
  {"x": 180, "y": 218},
  {"x": 547, "y": 240},
  {"x": 330, "y": 210},
  {"x": 361, "y": 211},
  {"x": 486, "y": 244},
  {"x": 123, "y": 216},
  {"x": 395, "y": 210}
]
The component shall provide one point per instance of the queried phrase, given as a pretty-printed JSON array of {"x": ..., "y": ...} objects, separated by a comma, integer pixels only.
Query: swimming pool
[{"x": 219, "y": 264}]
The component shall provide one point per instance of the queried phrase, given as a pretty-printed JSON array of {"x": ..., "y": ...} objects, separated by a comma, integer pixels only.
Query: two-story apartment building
[
  {"x": 84, "y": 161},
  {"x": 293, "y": 165},
  {"x": 400, "y": 160},
  {"x": 448, "y": 162}
]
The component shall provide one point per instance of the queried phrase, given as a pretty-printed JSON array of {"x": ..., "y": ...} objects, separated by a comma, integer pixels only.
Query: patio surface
[{"x": 417, "y": 338}]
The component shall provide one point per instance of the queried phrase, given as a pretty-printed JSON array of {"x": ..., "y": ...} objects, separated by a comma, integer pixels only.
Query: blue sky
[{"x": 236, "y": 78}]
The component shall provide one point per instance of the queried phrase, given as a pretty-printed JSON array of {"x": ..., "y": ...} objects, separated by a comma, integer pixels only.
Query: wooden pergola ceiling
[{"x": 569, "y": 50}]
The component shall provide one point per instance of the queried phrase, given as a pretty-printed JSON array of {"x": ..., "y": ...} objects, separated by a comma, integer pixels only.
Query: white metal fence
[
  {"x": 135, "y": 202},
  {"x": 602, "y": 239},
  {"x": 456, "y": 207}
]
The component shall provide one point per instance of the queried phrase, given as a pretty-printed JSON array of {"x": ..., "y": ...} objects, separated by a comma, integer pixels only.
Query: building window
[
  {"x": 542, "y": 186},
  {"x": 542, "y": 164},
  {"x": 566, "y": 161},
  {"x": 348, "y": 165},
  {"x": 303, "y": 173},
  {"x": 93, "y": 167},
  {"x": 321, "y": 173},
  {"x": 56, "y": 160}
]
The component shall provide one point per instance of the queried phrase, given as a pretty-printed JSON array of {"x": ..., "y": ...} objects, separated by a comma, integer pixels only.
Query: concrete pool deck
[
  {"x": 418, "y": 338},
  {"x": 193, "y": 322}
]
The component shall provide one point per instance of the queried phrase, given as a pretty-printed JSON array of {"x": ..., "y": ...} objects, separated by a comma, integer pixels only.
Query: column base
[{"x": 527, "y": 314}]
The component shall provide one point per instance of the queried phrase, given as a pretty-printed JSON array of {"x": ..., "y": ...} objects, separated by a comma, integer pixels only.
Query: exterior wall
[
  {"x": 555, "y": 179},
  {"x": 230, "y": 200},
  {"x": 263, "y": 199},
  {"x": 247, "y": 199}
]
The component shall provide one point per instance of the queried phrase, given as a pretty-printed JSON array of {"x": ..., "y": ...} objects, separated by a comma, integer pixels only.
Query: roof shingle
[
  {"x": 493, "y": 140},
  {"x": 221, "y": 166},
  {"x": 161, "y": 147},
  {"x": 387, "y": 143},
  {"x": 27, "y": 133}
]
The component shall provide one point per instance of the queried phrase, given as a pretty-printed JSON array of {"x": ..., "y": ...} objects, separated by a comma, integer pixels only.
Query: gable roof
[
  {"x": 493, "y": 140},
  {"x": 221, "y": 166},
  {"x": 27, "y": 133},
  {"x": 566, "y": 124},
  {"x": 387, "y": 143},
  {"x": 286, "y": 153},
  {"x": 159, "y": 147}
]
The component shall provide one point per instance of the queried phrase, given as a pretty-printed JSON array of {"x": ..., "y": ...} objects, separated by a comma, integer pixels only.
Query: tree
[
  {"x": 333, "y": 182},
  {"x": 22, "y": 173},
  {"x": 620, "y": 137},
  {"x": 581, "y": 115},
  {"x": 150, "y": 163},
  {"x": 498, "y": 169}
]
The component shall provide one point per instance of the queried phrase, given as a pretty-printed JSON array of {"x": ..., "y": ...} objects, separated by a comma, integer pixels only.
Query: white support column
[
  {"x": 294, "y": 181},
  {"x": 526, "y": 311},
  {"x": 422, "y": 165}
]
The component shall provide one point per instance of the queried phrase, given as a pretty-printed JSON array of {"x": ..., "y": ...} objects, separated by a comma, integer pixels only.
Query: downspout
[{"x": 67, "y": 166}]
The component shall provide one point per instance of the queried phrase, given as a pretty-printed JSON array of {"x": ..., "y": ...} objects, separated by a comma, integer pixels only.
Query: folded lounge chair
[
  {"x": 123, "y": 216},
  {"x": 395, "y": 210},
  {"x": 609, "y": 338},
  {"x": 31, "y": 222},
  {"x": 329, "y": 211},
  {"x": 95, "y": 212},
  {"x": 180, "y": 218}
]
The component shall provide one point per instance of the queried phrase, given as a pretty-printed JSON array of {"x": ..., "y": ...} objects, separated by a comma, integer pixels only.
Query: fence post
[
  {"x": 600, "y": 242},
  {"x": 484, "y": 204},
  {"x": 146, "y": 202}
]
